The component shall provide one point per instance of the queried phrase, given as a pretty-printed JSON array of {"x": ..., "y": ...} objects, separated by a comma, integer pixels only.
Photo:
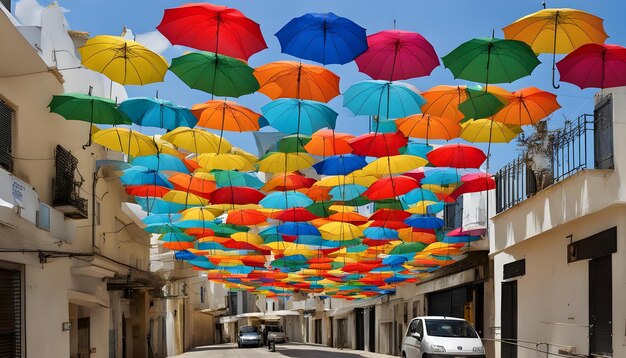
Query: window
[
  {"x": 450, "y": 328},
  {"x": 11, "y": 313},
  {"x": 412, "y": 328},
  {"x": 201, "y": 294},
  {"x": 406, "y": 312},
  {"x": 453, "y": 214},
  {"x": 43, "y": 217},
  {"x": 6, "y": 134},
  {"x": 416, "y": 308},
  {"x": 603, "y": 133}
]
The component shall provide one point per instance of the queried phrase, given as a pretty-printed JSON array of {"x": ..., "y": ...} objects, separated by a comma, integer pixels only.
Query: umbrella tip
[{"x": 543, "y": 3}]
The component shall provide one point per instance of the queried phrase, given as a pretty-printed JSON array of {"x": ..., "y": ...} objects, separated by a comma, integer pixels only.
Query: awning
[
  {"x": 250, "y": 315},
  {"x": 281, "y": 313},
  {"x": 228, "y": 319},
  {"x": 86, "y": 299},
  {"x": 340, "y": 311}
]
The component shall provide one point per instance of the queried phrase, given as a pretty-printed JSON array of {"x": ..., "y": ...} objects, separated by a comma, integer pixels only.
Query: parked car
[
  {"x": 437, "y": 336},
  {"x": 248, "y": 337},
  {"x": 276, "y": 334}
]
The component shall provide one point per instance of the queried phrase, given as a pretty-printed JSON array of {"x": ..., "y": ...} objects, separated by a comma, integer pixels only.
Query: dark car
[{"x": 248, "y": 337}]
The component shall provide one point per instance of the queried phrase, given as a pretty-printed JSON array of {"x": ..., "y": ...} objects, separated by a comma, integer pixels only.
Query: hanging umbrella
[
  {"x": 289, "y": 79},
  {"x": 225, "y": 115},
  {"x": 224, "y": 161},
  {"x": 378, "y": 144},
  {"x": 144, "y": 176},
  {"x": 340, "y": 231},
  {"x": 394, "y": 165},
  {"x": 295, "y": 214},
  {"x": 285, "y": 162},
  {"x": 397, "y": 55},
  {"x": 442, "y": 177},
  {"x": 146, "y": 190},
  {"x": 225, "y": 178},
  {"x": 325, "y": 38},
  {"x": 429, "y": 127},
  {"x": 155, "y": 112},
  {"x": 346, "y": 192},
  {"x": 214, "y": 28},
  {"x": 383, "y": 99},
  {"x": 245, "y": 217},
  {"x": 473, "y": 183},
  {"x": 425, "y": 222},
  {"x": 161, "y": 162},
  {"x": 417, "y": 195},
  {"x": 123, "y": 61},
  {"x": 557, "y": 31},
  {"x": 201, "y": 184},
  {"x": 285, "y": 199},
  {"x": 456, "y": 156},
  {"x": 126, "y": 141},
  {"x": 390, "y": 187},
  {"x": 299, "y": 116},
  {"x": 340, "y": 164},
  {"x": 595, "y": 66},
  {"x": 287, "y": 181},
  {"x": 87, "y": 108},
  {"x": 488, "y": 131},
  {"x": 327, "y": 142},
  {"x": 527, "y": 106},
  {"x": 483, "y": 103},
  {"x": 292, "y": 143},
  {"x": 182, "y": 197},
  {"x": 238, "y": 195},
  {"x": 196, "y": 140},
  {"x": 491, "y": 60},
  {"x": 443, "y": 101},
  {"x": 216, "y": 74}
]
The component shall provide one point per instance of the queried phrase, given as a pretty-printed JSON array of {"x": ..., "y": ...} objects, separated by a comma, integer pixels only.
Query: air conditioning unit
[{"x": 567, "y": 350}]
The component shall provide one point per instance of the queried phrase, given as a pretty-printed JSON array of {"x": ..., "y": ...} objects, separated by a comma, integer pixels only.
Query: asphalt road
[{"x": 230, "y": 350}]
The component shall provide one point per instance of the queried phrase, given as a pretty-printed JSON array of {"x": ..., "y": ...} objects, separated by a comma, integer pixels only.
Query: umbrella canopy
[
  {"x": 154, "y": 112},
  {"x": 291, "y": 116},
  {"x": 394, "y": 165},
  {"x": 397, "y": 55},
  {"x": 491, "y": 60},
  {"x": 214, "y": 28},
  {"x": 161, "y": 162},
  {"x": 143, "y": 176},
  {"x": 225, "y": 178},
  {"x": 456, "y": 156},
  {"x": 245, "y": 217},
  {"x": 200, "y": 184},
  {"x": 325, "y": 38},
  {"x": 239, "y": 195},
  {"x": 147, "y": 190},
  {"x": 123, "y": 61},
  {"x": 527, "y": 106},
  {"x": 287, "y": 181},
  {"x": 225, "y": 115},
  {"x": 383, "y": 99},
  {"x": 223, "y": 161},
  {"x": 473, "y": 183},
  {"x": 340, "y": 231},
  {"x": 196, "y": 140},
  {"x": 340, "y": 164},
  {"x": 378, "y": 144},
  {"x": 285, "y": 200},
  {"x": 327, "y": 142},
  {"x": 285, "y": 162},
  {"x": 429, "y": 127},
  {"x": 126, "y": 141},
  {"x": 290, "y": 79},
  {"x": 216, "y": 74},
  {"x": 488, "y": 131},
  {"x": 595, "y": 66},
  {"x": 390, "y": 187},
  {"x": 482, "y": 103},
  {"x": 425, "y": 222}
]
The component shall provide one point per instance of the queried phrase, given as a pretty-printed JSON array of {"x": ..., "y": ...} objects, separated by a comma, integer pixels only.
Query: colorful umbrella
[
  {"x": 289, "y": 79},
  {"x": 299, "y": 116},
  {"x": 456, "y": 156},
  {"x": 285, "y": 162},
  {"x": 557, "y": 31},
  {"x": 197, "y": 140},
  {"x": 429, "y": 127},
  {"x": 225, "y": 115},
  {"x": 482, "y": 103},
  {"x": 394, "y": 165},
  {"x": 595, "y": 66},
  {"x": 224, "y": 161},
  {"x": 245, "y": 217},
  {"x": 527, "y": 106},
  {"x": 201, "y": 184},
  {"x": 326, "y": 142},
  {"x": 239, "y": 195},
  {"x": 488, "y": 131},
  {"x": 390, "y": 187},
  {"x": 225, "y": 178},
  {"x": 154, "y": 112},
  {"x": 378, "y": 144},
  {"x": 123, "y": 61},
  {"x": 340, "y": 164},
  {"x": 143, "y": 176},
  {"x": 324, "y": 38},
  {"x": 216, "y": 74},
  {"x": 212, "y": 28},
  {"x": 287, "y": 181},
  {"x": 285, "y": 200},
  {"x": 425, "y": 222},
  {"x": 161, "y": 162},
  {"x": 126, "y": 141},
  {"x": 474, "y": 182},
  {"x": 491, "y": 60},
  {"x": 397, "y": 55},
  {"x": 383, "y": 99}
]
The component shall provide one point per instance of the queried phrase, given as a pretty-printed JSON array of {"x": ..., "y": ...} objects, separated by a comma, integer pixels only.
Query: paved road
[{"x": 230, "y": 350}]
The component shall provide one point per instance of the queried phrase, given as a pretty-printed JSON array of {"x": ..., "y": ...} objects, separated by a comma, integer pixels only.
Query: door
[
  {"x": 412, "y": 346},
  {"x": 509, "y": 319},
  {"x": 359, "y": 329},
  {"x": 330, "y": 337},
  {"x": 83, "y": 337},
  {"x": 600, "y": 306},
  {"x": 372, "y": 329},
  {"x": 318, "y": 331},
  {"x": 10, "y": 313}
]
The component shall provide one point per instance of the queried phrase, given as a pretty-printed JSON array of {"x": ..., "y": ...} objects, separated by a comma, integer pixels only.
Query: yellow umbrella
[
  {"x": 124, "y": 61},
  {"x": 201, "y": 213},
  {"x": 285, "y": 162},
  {"x": 242, "y": 153},
  {"x": 167, "y": 148},
  {"x": 488, "y": 131},
  {"x": 248, "y": 237},
  {"x": 126, "y": 141},
  {"x": 440, "y": 189},
  {"x": 339, "y": 231},
  {"x": 183, "y": 197},
  {"x": 421, "y": 207},
  {"x": 395, "y": 164},
  {"x": 197, "y": 140},
  {"x": 212, "y": 161}
]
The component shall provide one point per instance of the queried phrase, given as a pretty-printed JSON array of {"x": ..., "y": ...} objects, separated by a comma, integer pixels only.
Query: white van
[{"x": 441, "y": 337}]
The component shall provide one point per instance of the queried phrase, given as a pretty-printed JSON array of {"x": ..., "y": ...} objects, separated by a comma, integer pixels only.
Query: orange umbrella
[
  {"x": 287, "y": 181},
  {"x": 349, "y": 217},
  {"x": 290, "y": 79},
  {"x": 201, "y": 184},
  {"x": 226, "y": 115},
  {"x": 245, "y": 217},
  {"x": 443, "y": 101},
  {"x": 429, "y": 127},
  {"x": 527, "y": 106},
  {"x": 327, "y": 142},
  {"x": 319, "y": 193}
]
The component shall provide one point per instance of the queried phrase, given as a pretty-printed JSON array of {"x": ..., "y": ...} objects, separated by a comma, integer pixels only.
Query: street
[{"x": 230, "y": 350}]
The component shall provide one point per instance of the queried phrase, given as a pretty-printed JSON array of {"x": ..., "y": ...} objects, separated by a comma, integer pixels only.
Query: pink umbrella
[
  {"x": 470, "y": 232},
  {"x": 397, "y": 55},
  {"x": 595, "y": 65},
  {"x": 473, "y": 183}
]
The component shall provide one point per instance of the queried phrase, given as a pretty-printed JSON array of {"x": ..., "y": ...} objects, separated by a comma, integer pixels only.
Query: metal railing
[{"x": 568, "y": 150}]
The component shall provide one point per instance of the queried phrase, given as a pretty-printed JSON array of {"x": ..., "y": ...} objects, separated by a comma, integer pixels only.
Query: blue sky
[{"x": 445, "y": 23}]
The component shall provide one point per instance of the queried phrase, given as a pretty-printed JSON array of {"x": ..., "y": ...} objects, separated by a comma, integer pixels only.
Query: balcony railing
[
  {"x": 583, "y": 143},
  {"x": 66, "y": 189}
]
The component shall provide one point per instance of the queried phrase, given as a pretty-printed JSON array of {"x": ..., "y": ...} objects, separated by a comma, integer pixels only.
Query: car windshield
[
  {"x": 248, "y": 329},
  {"x": 449, "y": 328},
  {"x": 273, "y": 329}
]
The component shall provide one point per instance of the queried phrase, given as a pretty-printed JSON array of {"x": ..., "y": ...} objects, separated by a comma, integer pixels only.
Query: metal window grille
[
  {"x": 11, "y": 313},
  {"x": 6, "y": 136},
  {"x": 603, "y": 133},
  {"x": 66, "y": 187}
]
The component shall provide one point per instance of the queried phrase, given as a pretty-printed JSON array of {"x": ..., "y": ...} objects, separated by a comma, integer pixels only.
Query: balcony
[{"x": 66, "y": 189}]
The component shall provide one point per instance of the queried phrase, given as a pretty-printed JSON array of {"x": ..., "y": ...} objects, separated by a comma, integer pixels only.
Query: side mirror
[{"x": 416, "y": 336}]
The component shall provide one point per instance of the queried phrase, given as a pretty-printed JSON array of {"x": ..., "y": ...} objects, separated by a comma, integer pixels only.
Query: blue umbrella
[
  {"x": 380, "y": 233},
  {"x": 202, "y": 262},
  {"x": 291, "y": 116},
  {"x": 417, "y": 195},
  {"x": 158, "y": 206},
  {"x": 297, "y": 229},
  {"x": 225, "y": 178},
  {"x": 459, "y": 239},
  {"x": 416, "y": 149},
  {"x": 442, "y": 176},
  {"x": 208, "y": 245},
  {"x": 324, "y": 38},
  {"x": 393, "y": 260},
  {"x": 424, "y": 222},
  {"x": 383, "y": 99},
  {"x": 177, "y": 237},
  {"x": 144, "y": 176},
  {"x": 161, "y": 162},
  {"x": 154, "y": 112},
  {"x": 347, "y": 192},
  {"x": 315, "y": 240},
  {"x": 340, "y": 164},
  {"x": 285, "y": 200},
  {"x": 161, "y": 218},
  {"x": 184, "y": 255}
]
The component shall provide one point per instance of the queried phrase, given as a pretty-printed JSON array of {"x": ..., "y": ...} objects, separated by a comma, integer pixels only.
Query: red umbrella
[
  {"x": 295, "y": 214},
  {"x": 595, "y": 65},
  {"x": 390, "y": 187},
  {"x": 236, "y": 195},
  {"x": 349, "y": 217},
  {"x": 456, "y": 156},
  {"x": 147, "y": 190},
  {"x": 417, "y": 174},
  {"x": 212, "y": 28},
  {"x": 389, "y": 215},
  {"x": 473, "y": 183},
  {"x": 245, "y": 217},
  {"x": 379, "y": 144},
  {"x": 471, "y": 232},
  {"x": 288, "y": 181},
  {"x": 397, "y": 55},
  {"x": 389, "y": 224}
]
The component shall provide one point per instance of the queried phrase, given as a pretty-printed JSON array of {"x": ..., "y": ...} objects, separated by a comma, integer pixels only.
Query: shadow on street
[{"x": 308, "y": 353}]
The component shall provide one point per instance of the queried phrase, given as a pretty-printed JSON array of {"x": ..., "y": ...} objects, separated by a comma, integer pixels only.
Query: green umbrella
[
  {"x": 407, "y": 248},
  {"x": 88, "y": 108},
  {"x": 293, "y": 143},
  {"x": 480, "y": 104},
  {"x": 321, "y": 208},
  {"x": 393, "y": 204},
  {"x": 491, "y": 60},
  {"x": 216, "y": 74}
]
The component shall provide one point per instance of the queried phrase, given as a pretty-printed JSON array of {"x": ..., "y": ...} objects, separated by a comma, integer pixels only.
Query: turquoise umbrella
[
  {"x": 292, "y": 116},
  {"x": 347, "y": 192},
  {"x": 225, "y": 178},
  {"x": 383, "y": 99},
  {"x": 155, "y": 112},
  {"x": 161, "y": 162},
  {"x": 285, "y": 200}
]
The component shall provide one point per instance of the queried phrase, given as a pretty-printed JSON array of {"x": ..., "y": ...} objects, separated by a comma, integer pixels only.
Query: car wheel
[
  {"x": 239, "y": 344},
  {"x": 403, "y": 355}
]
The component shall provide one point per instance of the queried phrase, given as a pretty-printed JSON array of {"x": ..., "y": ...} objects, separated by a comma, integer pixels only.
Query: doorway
[
  {"x": 372, "y": 329},
  {"x": 600, "y": 306},
  {"x": 359, "y": 328},
  {"x": 509, "y": 319},
  {"x": 318, "y": 331},
  {"x": 83, "y": 338}
]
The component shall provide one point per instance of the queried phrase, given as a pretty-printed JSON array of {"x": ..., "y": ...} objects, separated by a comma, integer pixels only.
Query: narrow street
[{"x": 230, "y": 350}]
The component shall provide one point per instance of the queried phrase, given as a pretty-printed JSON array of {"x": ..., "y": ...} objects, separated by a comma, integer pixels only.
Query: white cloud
[{"x": 28, "y": 12}]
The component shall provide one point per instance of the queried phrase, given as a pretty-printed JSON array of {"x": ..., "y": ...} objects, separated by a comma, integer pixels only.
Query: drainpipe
[{"x": 93, "y": 210}]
